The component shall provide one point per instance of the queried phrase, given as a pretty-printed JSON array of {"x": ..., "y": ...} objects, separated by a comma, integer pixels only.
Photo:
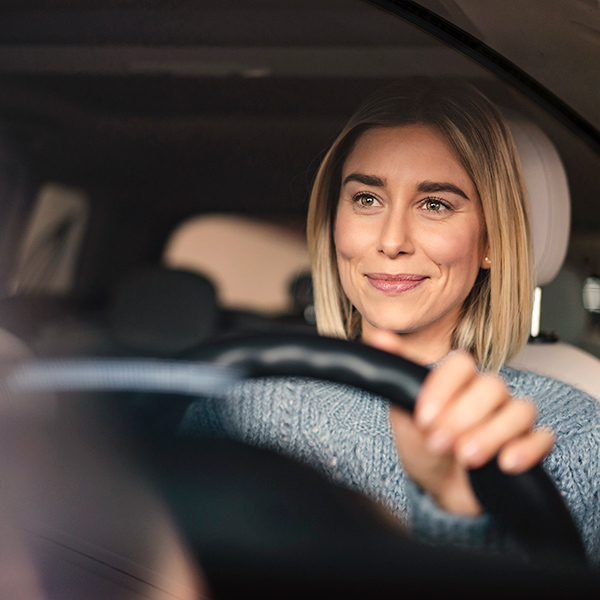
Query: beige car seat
[
  {"x": 251, "y": 262},
  {"x": 549, "y": 198}
]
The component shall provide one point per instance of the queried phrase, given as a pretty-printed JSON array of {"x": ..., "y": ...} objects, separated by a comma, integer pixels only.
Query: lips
[{"x": 395, "y": 284}]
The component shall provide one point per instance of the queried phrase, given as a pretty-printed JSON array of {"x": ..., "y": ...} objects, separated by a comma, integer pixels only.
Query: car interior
[
  {"x": 176, "y": 129},
  {"x": 156, "y": 161}
]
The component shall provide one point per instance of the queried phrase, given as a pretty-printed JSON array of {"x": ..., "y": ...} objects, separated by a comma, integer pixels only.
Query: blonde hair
[{"x": 496, "y": 316}]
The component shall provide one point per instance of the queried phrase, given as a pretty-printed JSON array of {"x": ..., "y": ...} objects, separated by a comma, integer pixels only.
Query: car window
[{"x": 52, "y": 242}]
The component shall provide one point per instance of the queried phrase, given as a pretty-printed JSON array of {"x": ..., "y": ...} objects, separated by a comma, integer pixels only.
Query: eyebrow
[
  {"x": 431, "y": 187},
  {"x": 372, "y": 180},
  {"x": 425, "y": 187}
]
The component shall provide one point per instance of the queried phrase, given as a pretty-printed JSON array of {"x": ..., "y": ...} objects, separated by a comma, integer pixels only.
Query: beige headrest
[
  {"x": 252, "y": 263},
  {"x": 549, "y": 199}
]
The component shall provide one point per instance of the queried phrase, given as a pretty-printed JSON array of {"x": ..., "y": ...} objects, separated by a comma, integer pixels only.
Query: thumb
[{"x": 384, "y": 340}]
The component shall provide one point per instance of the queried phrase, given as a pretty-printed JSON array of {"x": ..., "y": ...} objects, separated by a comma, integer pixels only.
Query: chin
[{"x": 394, "y": 324}]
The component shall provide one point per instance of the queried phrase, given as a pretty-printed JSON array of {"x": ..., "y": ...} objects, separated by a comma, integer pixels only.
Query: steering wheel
[{"x": 528, "y": 505}]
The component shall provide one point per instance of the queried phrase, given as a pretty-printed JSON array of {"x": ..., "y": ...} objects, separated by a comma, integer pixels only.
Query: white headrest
[{"x": 549, "y": 199}]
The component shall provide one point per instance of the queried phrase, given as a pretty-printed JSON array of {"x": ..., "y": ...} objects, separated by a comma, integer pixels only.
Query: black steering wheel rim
[{"x": 529, "y": 505}]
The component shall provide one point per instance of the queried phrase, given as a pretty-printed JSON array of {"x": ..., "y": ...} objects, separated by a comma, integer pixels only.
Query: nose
[{"x": 395, "y": 236}]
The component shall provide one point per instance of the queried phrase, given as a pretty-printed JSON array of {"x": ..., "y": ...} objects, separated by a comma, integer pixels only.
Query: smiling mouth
[{"x": 394, "y": 284}]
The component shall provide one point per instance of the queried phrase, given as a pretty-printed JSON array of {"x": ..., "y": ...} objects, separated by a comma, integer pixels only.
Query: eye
[
  {"x": 435, "y": 205},
  {"x": 365, "y": 199}
]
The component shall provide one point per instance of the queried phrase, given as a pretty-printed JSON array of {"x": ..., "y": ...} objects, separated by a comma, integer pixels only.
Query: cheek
[
  {"x": 460, "y": 251},
  {"x": 344, "y": 238},
  {"x": 352, "y": 237},
  {"x": 350, "y": 247}
]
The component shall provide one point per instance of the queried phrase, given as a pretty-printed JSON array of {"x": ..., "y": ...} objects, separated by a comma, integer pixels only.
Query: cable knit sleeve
[
  {"x": 340, "y": 431},
  {"x": 431, "y": 524}
]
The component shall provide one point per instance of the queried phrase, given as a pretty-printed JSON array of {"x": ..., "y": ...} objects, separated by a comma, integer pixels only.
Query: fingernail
[
  {"x": 439, "y": 442},
  {"x": 468, "y": 452},
  {"x": 509, "y": 463}
]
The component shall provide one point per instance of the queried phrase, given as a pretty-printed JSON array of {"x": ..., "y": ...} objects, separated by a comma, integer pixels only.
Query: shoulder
[
  {"x": 545, "y": 390},
  {"x": 566, "y": 409}
]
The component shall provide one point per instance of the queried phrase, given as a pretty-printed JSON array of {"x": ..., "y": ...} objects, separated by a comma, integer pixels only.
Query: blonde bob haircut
[{"x": 495, "y": 319}]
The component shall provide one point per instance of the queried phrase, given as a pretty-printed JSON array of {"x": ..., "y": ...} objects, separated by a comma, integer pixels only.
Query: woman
[{"x": 419, "y": 236}]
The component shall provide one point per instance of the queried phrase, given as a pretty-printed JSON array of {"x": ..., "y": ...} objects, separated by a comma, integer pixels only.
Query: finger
[
  {"x": 479, "y": 399},
  {"x": 443, "y": 478},
  {"x": 481, "y": 444},
  {"x": 405, "y": 432},
  {"x": 399, "y": 417},
  {"x": 442, "y": 385},
  {"x": 385, "y": 340},
  {"x": 526, "y": 452}
]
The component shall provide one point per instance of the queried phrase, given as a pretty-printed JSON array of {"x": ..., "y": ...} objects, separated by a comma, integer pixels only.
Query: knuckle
[
  {"x": 526, "y": 409},
  {"x": 547, "y": 436},
  {"x": 495, "y": 386}
]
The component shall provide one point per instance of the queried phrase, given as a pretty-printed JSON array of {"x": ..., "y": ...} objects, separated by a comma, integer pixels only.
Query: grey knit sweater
[{"x": 345, "y": 433}]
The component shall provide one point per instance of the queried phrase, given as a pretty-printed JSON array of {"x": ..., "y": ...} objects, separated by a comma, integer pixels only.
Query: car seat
[
  {"x": 163, "y": 312},
  {"x": 549, "y": 198},
  {"x": 251, "y": 262}
]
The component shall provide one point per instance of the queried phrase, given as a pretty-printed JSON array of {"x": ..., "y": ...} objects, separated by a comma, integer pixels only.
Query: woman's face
[{"x": 409, "y": 236}]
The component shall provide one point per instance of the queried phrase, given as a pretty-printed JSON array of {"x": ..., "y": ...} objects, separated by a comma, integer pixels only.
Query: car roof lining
[{"x": 487, "y": 57}]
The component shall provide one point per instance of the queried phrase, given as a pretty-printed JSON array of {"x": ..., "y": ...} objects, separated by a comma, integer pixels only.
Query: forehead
[{"x": 418, "y": 149}]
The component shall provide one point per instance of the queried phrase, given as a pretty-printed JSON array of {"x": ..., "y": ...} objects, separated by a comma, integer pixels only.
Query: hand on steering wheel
[{"x": 462, "y": 419}]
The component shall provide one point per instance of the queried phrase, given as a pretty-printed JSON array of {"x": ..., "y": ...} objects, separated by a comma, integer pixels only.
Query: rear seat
[{"x": 251, "y": 262}]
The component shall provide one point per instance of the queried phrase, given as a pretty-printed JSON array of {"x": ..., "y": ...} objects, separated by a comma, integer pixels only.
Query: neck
[{"x": 420, "y": 347}]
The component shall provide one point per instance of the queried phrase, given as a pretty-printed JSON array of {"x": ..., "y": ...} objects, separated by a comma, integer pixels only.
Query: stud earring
[{"x": 487, "y": 261}]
